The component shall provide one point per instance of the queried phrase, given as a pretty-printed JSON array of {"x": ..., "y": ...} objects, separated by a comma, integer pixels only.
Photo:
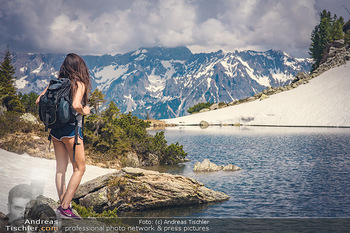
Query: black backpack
[{"x": 55, "y": 107}]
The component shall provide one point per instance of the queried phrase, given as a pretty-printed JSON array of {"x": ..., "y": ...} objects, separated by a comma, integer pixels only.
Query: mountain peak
[
  {"x": 165, "y": 53},
  {"x": 167, "y": 81}
]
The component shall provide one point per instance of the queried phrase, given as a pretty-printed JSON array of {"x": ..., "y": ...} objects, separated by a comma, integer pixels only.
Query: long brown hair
[{"x": 74, "y": 68}]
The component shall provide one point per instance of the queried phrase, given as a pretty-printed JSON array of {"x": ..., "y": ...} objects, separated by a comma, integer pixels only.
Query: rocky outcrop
[
  {"x": 138, "y": 189},
  {"x": 336, "y": 54},
  {"x": 30, "y": 118},
  {"x": 3, "y": 109},
  {"x": 207, "y": 166}
]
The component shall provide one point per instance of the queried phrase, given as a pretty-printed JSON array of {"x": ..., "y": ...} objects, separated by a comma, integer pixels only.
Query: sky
[{"x": 90, "y": 27}]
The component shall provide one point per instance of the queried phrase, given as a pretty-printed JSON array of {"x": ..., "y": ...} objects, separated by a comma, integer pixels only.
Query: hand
[{"x": 86, "y": 110}]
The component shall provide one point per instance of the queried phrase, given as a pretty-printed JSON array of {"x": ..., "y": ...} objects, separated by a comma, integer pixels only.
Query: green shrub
[
  {"x": 174, "y": 154},
  {"x": 198, "y": 107},
  {"x": 10, "y": 122},
  {"x": 107, "y": 216},
  {"x": 28, "y": 102},
  {"x": 114, "y": 135},
  {"x": 347, "y": 37},
  {"x": 84, "y": 212}
]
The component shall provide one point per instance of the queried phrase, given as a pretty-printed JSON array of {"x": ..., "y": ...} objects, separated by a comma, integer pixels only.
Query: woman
[{"x": 75, "y": 69}]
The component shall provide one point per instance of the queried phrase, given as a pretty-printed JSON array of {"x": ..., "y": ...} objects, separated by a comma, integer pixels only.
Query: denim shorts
[{"x": 67, "y": 131}]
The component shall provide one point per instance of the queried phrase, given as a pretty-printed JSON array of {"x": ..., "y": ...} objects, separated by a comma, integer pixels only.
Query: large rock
[
  {"x": 30, "y": 118},
  {"x": 41, "y": 213},
  {"x": 263, "y": 97},
  {"x": 214, "y": 107},
  {"x": 3, "y": 109},
  {"x": 138, "y": 189},
  {"x": 231, "y": 167},
  {"x": 207, "y": 166},
  {"x": 336, "y": 54},
  {"x": 132, "y": 160}
]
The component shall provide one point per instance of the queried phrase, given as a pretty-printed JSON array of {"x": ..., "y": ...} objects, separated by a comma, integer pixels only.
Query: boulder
[
  {"x": 97, "y": 199},
  {"x": 3, "y": 109},
  {"x": 207, "y": 166},
  {"x": 40, "y": 213},
  {"x": 214, "y": 106},
  {"x": 250, "y": 99},
  {"x": 28, "y": 117},
  {"x": 204, "y": 124},
  {"x": 132, "y": 160},
  {"x": 138, "y": 189},
  {"x": 204, "y": 110},
  {"x": 151, "y": 160},
  {"x": 231, "y": 167},
  {"x": 263, "y": 96}
]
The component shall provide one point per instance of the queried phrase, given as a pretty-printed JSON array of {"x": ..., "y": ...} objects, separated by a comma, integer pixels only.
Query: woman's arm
[
  {"x": 42, "y": 93},
  {"x": 78, "y": 107}
]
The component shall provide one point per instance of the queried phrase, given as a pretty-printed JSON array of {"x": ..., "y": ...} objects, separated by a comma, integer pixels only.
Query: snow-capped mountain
[
  {"x": 165, "y": 82},
  {"x": 323, "y": 102}
]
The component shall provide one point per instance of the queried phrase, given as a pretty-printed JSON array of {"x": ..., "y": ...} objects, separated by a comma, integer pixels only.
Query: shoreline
[{"x": 206, "y": 124}]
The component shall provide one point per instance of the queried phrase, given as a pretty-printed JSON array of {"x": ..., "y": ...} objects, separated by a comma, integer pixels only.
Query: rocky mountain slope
[
  {"x": 322, "y": 99},
  {"x": 165, "y": 82}
]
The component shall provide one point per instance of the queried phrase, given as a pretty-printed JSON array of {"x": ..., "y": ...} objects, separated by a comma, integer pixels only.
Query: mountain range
[
  {"x": 323, "y": 101},
  {"x": 165, "y": 82}
]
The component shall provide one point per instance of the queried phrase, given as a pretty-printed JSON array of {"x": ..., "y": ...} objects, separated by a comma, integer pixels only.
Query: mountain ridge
[
  {"x": 321, "y": 102},
  {"x": 165, "y": 82}
]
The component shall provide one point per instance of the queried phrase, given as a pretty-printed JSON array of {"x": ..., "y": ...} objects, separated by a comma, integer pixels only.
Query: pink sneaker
[{"x": 66, "y": 213}]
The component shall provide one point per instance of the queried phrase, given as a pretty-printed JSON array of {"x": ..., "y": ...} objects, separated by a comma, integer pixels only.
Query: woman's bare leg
[
  {"x": 61, "y": 167},
  {"x": 78, "y": 169}
]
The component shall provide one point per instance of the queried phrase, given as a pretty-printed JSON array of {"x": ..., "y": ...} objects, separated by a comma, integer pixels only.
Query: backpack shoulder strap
[{"x": 75, "y": 138}]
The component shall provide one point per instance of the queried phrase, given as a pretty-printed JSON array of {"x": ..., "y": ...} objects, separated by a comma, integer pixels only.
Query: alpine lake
[{"x": 287, "y": 172}]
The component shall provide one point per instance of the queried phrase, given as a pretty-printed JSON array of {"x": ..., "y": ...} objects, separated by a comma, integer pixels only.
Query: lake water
[
  {"x": 286, "y": 172},
  {"x": 292, "y": 179}
]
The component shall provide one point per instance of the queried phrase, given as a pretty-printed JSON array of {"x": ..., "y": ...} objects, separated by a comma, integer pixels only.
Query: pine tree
[
  {"x": 96, "y": 100},
  {"x": 337, "y": 28},
  {"x": 8, "y": 96},
  {"x": 347, "y": 37},
  {"x": 28, "y": 102},
  {"x": 346, "y": 30},
  {"x": 329, "y": 29}
]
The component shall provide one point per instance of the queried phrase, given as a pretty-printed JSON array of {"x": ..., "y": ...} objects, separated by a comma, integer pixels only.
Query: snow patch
[
  {"x": 130, "y": 103},
  {"x": 157, "y": 83},
  {"x": 141, "y": 57},
  {"x": 106, "y": 75},
  {"x": 37, "y": 70},
  {"x": 262, "y": 80},
  {"x": 21, "y": 83},
  {"x": 137, "y": 52}
]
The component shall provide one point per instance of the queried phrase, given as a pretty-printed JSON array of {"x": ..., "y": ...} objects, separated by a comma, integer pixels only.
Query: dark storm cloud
[{"x": 109, "y": 26}]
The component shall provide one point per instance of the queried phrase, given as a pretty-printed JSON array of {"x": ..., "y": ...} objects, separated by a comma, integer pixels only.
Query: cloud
[{"x": 110, "y": 26}]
